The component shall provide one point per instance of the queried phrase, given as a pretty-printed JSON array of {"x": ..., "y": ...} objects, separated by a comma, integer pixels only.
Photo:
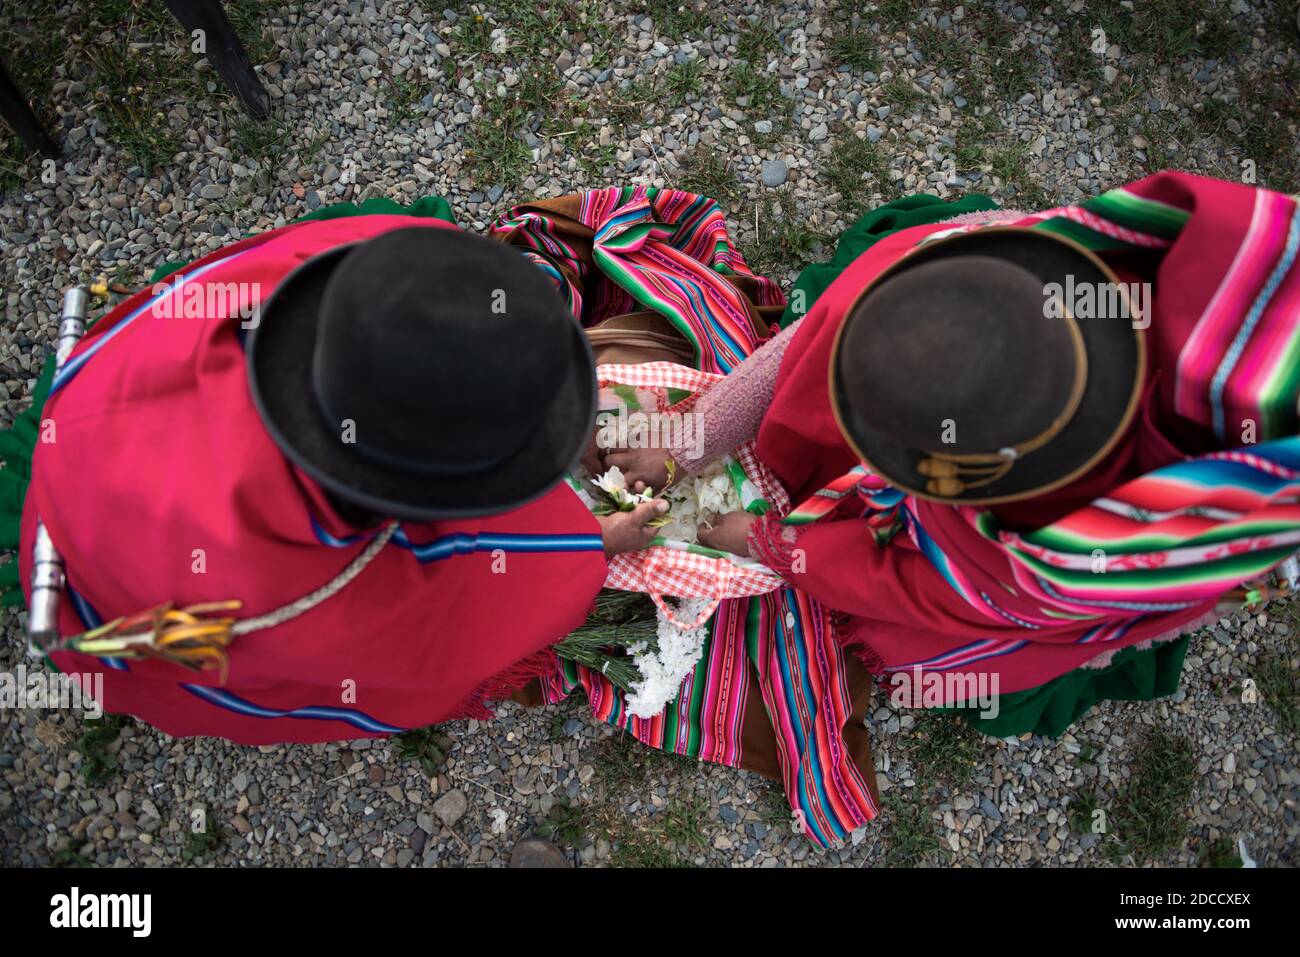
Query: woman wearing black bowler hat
[{"x": 345, "y": 518}]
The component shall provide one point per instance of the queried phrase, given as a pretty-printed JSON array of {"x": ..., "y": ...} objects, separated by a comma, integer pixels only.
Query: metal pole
[{"x": 47, "y": 564}]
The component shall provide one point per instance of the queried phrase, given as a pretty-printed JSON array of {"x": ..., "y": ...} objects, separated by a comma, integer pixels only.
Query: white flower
[
  {"x": 612, "y": 482},
  {"x": 676, "y": 656}
]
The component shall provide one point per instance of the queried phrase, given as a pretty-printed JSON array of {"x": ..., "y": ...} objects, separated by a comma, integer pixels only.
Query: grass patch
[
  {"x": 1220, "y": 853},
  {"x": 684, "y": 79},
  {"x": 625, "y": 770},
  {"x": 851, "y": 42},
  {"x": 201, "y": 844},
  {"x": 782, "y": 242},
  {"x": 565, "y": 823},
  {"x": 912, "y": 838},
  {"x": 1278, "y": 685},
  {"x": 14, "y": 157},
  {"x": 427, "y": 746},
  {"x": 855, "y": 167},
  {"x": 901, "y": 94},
  {"x": 624, "y": 764},
  {"x": 759, "y": 91},
  {"x": 97, "y": 764},
  {"x": 1008, "y": 162},
  {"x": 667, "y": 839},
  {"x": 975, "y": 137},
  {"x": 498, "y": 156},
  {"x": 1266, "y": 136},
  {"x": 132, "y": 117},
  {"x": 677, "y": 18},
  {"x": 895, "y": 15},
  {"x": 404, "y": 96},
  {"x": 945, "y": 749},
  {"x": 707, "y": 171},
  {"x": 1150, "y": 813},
  {"x": 1072, "y": 56},
  {"x": 1081, "y": 813},
  {"x": 757, "y": 44},
  {"x": 132, "y": 80},
  {"x": 1011, "y": 71},
  {"x": 69, "y": 858},
  {"x": 942, "y": 49}
]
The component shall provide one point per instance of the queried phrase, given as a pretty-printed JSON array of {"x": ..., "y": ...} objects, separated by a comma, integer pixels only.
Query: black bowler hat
[
  {"x": 424, "y": 374},
  {"x": 960, "y": 374}
]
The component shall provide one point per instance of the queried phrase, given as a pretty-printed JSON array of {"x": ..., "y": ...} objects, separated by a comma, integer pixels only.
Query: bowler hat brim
[
  {"x": 1116, "y": 357},
  {"x": 279, "y": 355}
]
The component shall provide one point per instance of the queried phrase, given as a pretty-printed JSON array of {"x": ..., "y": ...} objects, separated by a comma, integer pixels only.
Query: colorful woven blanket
[{"x": 615, "y": 250}]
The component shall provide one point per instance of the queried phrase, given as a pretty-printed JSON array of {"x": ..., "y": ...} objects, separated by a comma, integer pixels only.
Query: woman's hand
[
  {"x": 627, "y": 531},
  {"x": 591, "y": 458},
  {"x": 730, "y": 533},
  {"x": 647, "y": 466}
]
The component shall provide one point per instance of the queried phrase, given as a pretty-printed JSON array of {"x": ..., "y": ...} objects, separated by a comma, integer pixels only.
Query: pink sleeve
[{"x": 730, "y": 413}]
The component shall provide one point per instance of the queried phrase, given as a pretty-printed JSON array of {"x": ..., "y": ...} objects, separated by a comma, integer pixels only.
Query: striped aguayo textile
[
  {"x": 611, "y": 252},
  {"x": 615, "y": 251}
]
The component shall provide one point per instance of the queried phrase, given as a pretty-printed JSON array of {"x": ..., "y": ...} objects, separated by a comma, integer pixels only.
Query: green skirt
[{"x": 1133, "y": 674}]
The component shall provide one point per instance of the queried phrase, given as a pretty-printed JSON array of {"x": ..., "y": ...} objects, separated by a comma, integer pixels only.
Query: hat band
[{"x": 951, "y": 474}]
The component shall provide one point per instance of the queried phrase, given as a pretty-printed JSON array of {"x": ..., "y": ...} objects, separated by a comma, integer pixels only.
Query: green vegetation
[
  {"x": 627, "y": 770},
  {"x": 782, "y": 240},
  {"x": 97, "y": 764},
  {"x": 1150, "y": 814},
  {"x": 945, "y": 750},
  {"x": 427, "y": 745},
  {"x": 708, "y": 171},
  {"x": 912, "y": 838},
  {"x": 201, "y": 844},
  {"x": 1220, "y": 853}
]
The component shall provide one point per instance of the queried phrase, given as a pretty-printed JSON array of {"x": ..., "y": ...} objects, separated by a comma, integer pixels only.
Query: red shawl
[{"x": 162, "y": 485}]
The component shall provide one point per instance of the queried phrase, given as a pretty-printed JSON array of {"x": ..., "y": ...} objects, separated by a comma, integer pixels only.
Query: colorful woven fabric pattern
[
  {"x": 668, "y": 251},
  {"x": 661, "y": 249}
]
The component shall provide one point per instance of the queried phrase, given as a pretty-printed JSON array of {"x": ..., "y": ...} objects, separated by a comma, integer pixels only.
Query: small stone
[
  {"x": 774, "y": 173},
  {"x": 451, "y": 807}
]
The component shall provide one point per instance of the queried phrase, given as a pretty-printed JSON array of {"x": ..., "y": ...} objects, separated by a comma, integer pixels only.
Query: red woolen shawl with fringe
[{"x": 161, "y": 467}]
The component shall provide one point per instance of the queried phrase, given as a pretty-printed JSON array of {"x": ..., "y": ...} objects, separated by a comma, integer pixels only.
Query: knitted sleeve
[{"x": 731, "y": 412}]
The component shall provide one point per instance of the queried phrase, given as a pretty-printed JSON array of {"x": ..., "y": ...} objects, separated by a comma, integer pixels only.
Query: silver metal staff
[{"x": 47, "y": 564}]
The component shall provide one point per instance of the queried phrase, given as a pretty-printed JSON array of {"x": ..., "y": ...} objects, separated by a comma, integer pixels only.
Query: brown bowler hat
[{"x": 961, "y": 375}]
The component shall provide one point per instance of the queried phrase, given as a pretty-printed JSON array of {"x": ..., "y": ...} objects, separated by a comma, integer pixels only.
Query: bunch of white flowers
[
  {"x": 696, "y": 499},
  {"x": 666, "y": 666}
]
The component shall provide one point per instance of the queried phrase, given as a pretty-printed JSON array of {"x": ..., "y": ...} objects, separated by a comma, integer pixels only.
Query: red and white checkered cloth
[{"x": 666, "y": 570}]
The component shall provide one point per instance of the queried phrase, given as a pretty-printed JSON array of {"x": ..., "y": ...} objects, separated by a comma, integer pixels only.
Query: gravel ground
[{"x": 798, "y": 116}]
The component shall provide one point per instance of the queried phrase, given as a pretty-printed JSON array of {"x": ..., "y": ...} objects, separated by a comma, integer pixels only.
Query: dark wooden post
[
  {"x": 16, "y": 111},
  {"x": 224, "y": 51}
]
